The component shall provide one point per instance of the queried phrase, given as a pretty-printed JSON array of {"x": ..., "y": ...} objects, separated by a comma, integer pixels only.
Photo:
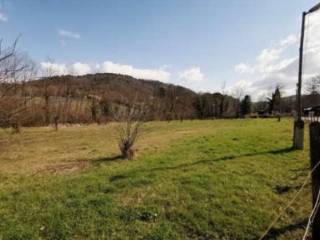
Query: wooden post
[
  {"x": 56, "y": 123},
  {"x": 315, "y": 159},
  {"x": 298, "y": 135},
  {"x": 298, "y": 126}
]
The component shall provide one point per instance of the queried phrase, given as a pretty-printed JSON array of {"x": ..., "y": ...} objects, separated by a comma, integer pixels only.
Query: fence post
[
  {"x": 298, "y": 135},
  {"x": 315, "y": 159}
]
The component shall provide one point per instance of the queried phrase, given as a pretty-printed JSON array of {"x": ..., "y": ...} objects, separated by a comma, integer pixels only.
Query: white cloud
[
  {"x": 3, "y": 18},
  {"x": 68, "y": 34},
  {"x": 192, "y": 78},
  {"x": 152, "y": 74},
  {"x": 79, "y": 68},
  {"x": 269, "y": 55},
  {"x": 193, "y": 74},
  {"x": 312, "y": 45},
  {"x": 240, "y": 88},
  {"x": 279, "y": 64},
  {"x": 313, "y": 31},
  {"x": 50, "y": 69},
  {"x": 259, "y": 77},
  {"x": 243, "y": 68},
  {"x": 270, "y": 59},
  {"x": 290, "y": 40}
]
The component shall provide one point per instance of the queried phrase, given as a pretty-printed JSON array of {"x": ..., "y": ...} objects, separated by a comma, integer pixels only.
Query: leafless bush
[{"x": 130, "y": 121}]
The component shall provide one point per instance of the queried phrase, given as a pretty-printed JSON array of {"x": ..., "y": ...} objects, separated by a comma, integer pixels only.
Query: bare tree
[
  {"x": 94, "y": 106},
  {"x": 223, "y": 98},
  {"x": 238, "y": 93},
  {"x": 171, "y": 100},
  {"x": 130, "y": 121},
  {"x": 313, "y": 86},
  {"x": 57, "y": 99},
  {"x": 48, "y": 72},
  {"x": 58, "y": 108},
  {"x": 15, "y": 69}
]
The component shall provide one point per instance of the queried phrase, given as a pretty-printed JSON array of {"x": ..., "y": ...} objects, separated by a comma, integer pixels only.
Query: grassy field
[{"x": 222, "y": 179}]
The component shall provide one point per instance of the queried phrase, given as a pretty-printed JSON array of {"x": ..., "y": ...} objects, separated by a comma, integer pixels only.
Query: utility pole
[
  {"x": 314, "y": 137},
  {"x": 299, "y": 103},
  {"x": 298, "y": 138}
]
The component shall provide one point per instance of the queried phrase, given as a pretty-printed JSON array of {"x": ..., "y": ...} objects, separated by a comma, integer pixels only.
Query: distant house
[
  {"x": 312, "y": 111},
  {"x": 263, "y": 113}
]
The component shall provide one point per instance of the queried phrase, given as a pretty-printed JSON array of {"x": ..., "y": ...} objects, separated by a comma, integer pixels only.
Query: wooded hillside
[{"x": 96, "y": 97}]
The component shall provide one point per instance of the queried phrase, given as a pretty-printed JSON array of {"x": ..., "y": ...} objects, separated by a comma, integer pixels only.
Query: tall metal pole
[
  {"x": 299, "y": 103},
  {"x": 298, "y": 138}
]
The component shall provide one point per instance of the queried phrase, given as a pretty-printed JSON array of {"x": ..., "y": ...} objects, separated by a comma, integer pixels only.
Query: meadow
[{"x": 210, "y": 179}]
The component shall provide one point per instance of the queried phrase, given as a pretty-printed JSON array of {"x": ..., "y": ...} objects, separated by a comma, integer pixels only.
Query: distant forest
[{"x": 98, "y": 97}]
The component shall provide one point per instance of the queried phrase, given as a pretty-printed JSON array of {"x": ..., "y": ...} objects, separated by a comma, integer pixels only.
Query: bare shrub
[
  {"x": 130, "y": 119},
  {"x": 16, "y": 127}
]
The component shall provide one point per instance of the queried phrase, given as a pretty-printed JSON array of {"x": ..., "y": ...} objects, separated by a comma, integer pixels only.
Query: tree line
[{"x": 29, "y": 100}]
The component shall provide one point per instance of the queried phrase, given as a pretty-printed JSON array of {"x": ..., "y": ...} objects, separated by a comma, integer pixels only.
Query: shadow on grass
[
  {"x": 225, "y": 158},
  {"x": 280, "y": 151},
  {"x": 277, "y": 232},
  {"x": 67, "y": 167},
  {"x": 118, "y": 158},
  {"x": 106, "y": 159}
]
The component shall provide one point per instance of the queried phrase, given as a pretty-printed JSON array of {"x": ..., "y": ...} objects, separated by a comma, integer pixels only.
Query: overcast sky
[{"x": 201, "y": 44}]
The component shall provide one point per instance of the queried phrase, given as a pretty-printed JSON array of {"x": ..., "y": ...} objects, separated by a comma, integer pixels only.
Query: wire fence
[
  {"x": 290, "y": 203},
  {"x": 311, "y": 118}
]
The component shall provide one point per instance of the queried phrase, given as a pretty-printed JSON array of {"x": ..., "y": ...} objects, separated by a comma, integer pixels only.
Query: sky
[{"x": 247, "y": 46}]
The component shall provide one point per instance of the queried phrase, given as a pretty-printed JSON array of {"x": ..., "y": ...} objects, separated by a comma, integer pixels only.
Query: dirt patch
[{"x": 63, "y": 168}]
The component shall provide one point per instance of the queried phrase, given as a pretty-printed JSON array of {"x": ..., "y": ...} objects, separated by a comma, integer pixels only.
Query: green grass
[{"x": 223, "y": 179}]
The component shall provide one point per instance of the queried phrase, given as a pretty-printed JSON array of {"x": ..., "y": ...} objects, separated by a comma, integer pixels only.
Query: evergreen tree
[{"x": 245, "y": 105}]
